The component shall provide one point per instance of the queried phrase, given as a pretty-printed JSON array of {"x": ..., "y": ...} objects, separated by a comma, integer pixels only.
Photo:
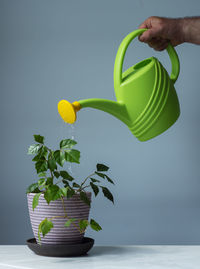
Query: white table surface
[{"x": 112, "y": 257}]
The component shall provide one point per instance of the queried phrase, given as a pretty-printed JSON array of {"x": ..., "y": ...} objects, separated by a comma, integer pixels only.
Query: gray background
[{"x": 50, "y": 50}]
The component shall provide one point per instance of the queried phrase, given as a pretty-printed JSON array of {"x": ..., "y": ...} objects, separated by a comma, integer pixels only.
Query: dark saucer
[{"x": 61, "y": 250}]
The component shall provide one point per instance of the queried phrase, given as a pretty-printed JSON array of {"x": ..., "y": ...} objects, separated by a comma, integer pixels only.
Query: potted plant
[{"x": 58, "y": 204}]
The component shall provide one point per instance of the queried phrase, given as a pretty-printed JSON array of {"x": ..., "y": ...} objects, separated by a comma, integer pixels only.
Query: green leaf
[
  {"x": 102, "y": 167},
  {"x": 65, "y": 182},
  {"x": 52, "y": 164},
  {"x": 49, "y": 181},
  {"x": 36, "y": 200},
  {"x": 67, "y": 192},
  {"x": 100, "y": 174},
  {"x": 84, "y": 198},
  {"x": 94, "y": 188},
  {"x": 109, "y": 179},
  {"x": 41, "y": 156},
  {"x": 32, "y": 188},
  {"x": 59, "y": 157},
  {"x": 43, "y": 174},
  {"x": 83, "y": 224},
  {"x": 56, "y": 174},
  {"x": 33, "y": 149},
  {"x": 41, "y": 181},
  {"x": 67, "y": 143},
  {"x": 107, "y": 194},
  {"x": 94, "y": 225},
  {"x": 43, "y": 151},
  {"x": 52, "y": 193},
  {"x": 69, "y": 222},
  {"x": 64, "y": 191},
  {"x": 65, "y": 175},
  {"x": 70, "y": 192},
  {"x": 95, "y": 180},
  {"x": 39, "y": 139},
  {"x": 38, "y": 158},
  {"x": 75, "y": 185},
  {"x": 41, "y": 166},
  {"x": 45, "y": 226},
  {"x": 72, "y": 156}
]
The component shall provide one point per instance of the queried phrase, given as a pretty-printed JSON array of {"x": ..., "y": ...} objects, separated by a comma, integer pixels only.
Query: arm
[{"x": 177, "y": 31}]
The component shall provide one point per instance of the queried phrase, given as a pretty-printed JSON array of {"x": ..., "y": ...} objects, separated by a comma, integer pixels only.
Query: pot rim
[{"x": 33, "y": 193}]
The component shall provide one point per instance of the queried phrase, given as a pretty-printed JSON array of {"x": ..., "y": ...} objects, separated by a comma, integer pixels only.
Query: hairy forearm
[
  {"x": 190, "y": 28},
  {"x": 176, "y": 30}
]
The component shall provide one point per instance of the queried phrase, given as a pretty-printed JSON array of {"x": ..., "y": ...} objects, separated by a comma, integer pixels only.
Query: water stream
[{"x": 68, "y": 132}]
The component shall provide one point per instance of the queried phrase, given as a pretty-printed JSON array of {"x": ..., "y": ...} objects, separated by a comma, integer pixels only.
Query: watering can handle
[{"x": 122, "y": 50}]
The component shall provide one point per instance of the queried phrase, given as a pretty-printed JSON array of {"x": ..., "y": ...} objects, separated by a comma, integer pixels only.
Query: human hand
[{"x": 161, "y": 31}]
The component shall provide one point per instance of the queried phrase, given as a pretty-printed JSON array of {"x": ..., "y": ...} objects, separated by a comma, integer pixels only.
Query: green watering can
[{"x": 146, "y": 98}]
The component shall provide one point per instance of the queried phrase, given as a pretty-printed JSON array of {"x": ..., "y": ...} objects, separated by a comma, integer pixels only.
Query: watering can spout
[{"x": 68, "y": 110}]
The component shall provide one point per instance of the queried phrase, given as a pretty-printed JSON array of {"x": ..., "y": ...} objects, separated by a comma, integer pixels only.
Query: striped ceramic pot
[{"x": 59, "y": 234}]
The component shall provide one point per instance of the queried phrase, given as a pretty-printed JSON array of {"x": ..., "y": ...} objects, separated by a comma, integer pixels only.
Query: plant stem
[
  {"x": 63, "y": 206},
  {"x": 85, "y": 187},
  {"x": 65, "y": 217},
  {"x": 87, "y": 178},
  {"x": 66, "y": 214},
  {"x": 47, "y": 161}
]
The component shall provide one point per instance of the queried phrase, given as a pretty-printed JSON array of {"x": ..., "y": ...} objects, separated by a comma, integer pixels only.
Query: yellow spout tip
[{"x": 67, "y": 110}]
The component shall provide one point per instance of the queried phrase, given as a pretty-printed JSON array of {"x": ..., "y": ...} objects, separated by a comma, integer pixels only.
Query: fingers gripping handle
[{"x": 122, "y": 50}]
